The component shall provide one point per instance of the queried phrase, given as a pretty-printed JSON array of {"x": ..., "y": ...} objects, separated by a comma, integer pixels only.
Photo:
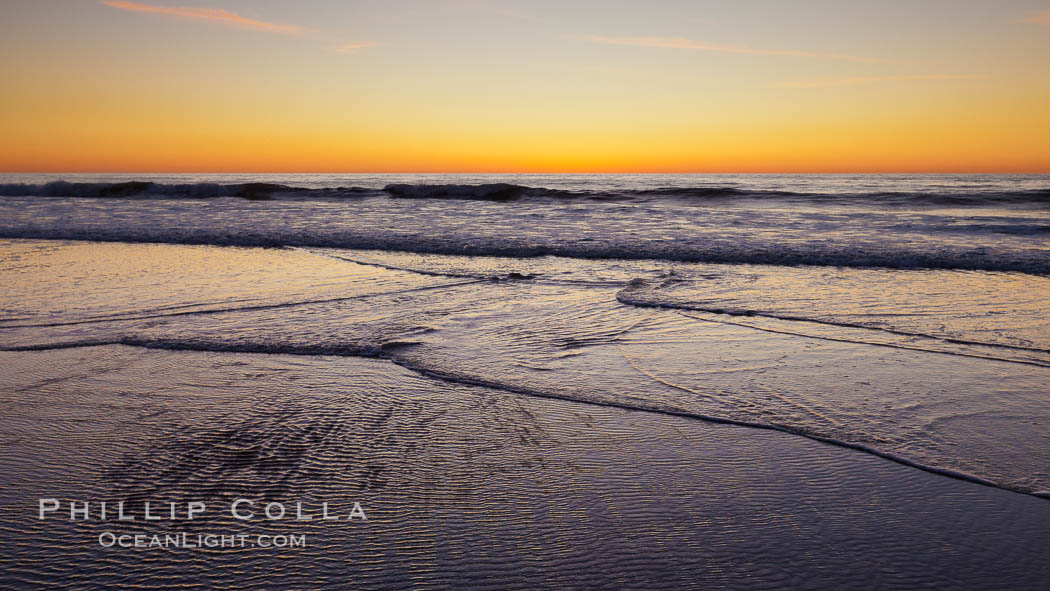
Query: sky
[{"x": 516, "y": 86}]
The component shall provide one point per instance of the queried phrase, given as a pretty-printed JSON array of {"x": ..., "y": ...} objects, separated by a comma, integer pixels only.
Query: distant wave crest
[
  {"x": 512, "y": 192},
  {"x": 144, "y": 189}
]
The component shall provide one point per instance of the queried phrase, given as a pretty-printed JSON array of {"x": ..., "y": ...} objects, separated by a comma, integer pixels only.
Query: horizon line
[{"x": 509, "y": 172}]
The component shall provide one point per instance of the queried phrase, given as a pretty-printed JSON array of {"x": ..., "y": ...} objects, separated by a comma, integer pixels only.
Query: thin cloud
[
  {"x": 354, "y": 46},
  {"x": 1043, "y": 18},
  {"x": 855, "y": 80},
  {"x": 683, "y": 43},
  {"x": 216, "y": 15}
]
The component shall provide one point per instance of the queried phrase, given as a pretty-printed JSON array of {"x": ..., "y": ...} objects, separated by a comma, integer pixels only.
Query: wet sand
[{"x": 501, "y": 424}]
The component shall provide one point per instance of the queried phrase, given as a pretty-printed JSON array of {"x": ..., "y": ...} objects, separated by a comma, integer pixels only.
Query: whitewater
[{"x": 942, "y": 222}]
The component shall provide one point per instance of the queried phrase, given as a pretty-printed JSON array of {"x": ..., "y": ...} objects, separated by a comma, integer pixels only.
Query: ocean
[{"x": 617, "y": 379}]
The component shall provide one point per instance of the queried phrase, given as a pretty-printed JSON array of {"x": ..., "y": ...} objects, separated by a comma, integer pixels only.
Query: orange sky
[{"x": 431, "y": 86}]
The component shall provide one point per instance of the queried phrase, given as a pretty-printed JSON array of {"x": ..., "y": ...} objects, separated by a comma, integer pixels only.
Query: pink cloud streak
[
  {"x": 683, "y": 43},
  {"x": 217, "y": 15}
]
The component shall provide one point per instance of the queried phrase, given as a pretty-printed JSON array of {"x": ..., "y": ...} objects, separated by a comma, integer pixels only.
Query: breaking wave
[
  {"x": 818, "y": 254},
  {"x": 514, "y": 192}
]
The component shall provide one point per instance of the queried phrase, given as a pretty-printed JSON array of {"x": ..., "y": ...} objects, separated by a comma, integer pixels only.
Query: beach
[
  {"x": 506, "y": 295},
  {"x": 564, "y": 381}
]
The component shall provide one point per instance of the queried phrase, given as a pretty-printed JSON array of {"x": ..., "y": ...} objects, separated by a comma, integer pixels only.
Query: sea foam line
[
  {"x": 1033, "y": 262},
  {"x": 683, "y": 308},
  {"x": 388, "y": 352},
  {"x": 239, "y": 308}
]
